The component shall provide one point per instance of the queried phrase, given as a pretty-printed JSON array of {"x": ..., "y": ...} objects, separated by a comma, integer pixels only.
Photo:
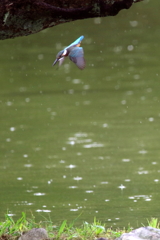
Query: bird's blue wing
[
  {"x": 77, "y": 56},
  {"x": 78, "y": 41}
]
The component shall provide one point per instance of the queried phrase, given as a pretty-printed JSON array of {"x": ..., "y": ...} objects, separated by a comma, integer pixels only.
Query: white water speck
[
  {"x": 130, "y": 47},
  {"x": 28, "y": 165},
  {"x": 71, "y": 166},
  {"x": 12, "y": 129},
  {"x": 123, "y": 102},
  {"x": 126, "y": 160},
  {"x": 73, "y": 210},
  {"x": 134, "y": 23},
  {"x": 62, "y": 161},
  {"x": 27, "y": 100},
  {"x": 43, "y": 210},
  {"x": 104, "y": 182},
  {"x": 76, "y": 81},
  {"x": 127, "y": 180},
  {"x": 105, "y": 125},
  {"x": 72, "y": 143},
  {"x": 8, "y": 139},
  {"x": 19, "y": 178},
  {"x": 143, "y": 172},
  {"x": 121, "y": 187},
  {"x": 151, "y": 119},
  {"x": 39, "y": 194},
  {"x": 142, "y": 151},
  {"x": 156, "y": 180},
  {"x": 93, "y": 145},
  {"x": 154, "y": 163},
  {"x": 77, "y": 178}
]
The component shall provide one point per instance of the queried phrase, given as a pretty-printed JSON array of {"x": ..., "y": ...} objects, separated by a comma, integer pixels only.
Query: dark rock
[
  {"x": 102, "y": 238},
  {"x": 34, "y": 234}
]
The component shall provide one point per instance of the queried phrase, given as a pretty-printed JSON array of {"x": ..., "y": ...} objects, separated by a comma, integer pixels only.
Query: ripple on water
[
  {"x": 126, "y": 160},
  {"x": 76, "y": 81},
  {"x": 127, "y": 180},
  {"x": 28, "y": 165},
  {"x": 135, "y": 198},
  {"x": 39, "y": 194},
  {"x": 151, "y": 119},
  {"x": 104, "y": 182},
  {"x": 156, "y": 180},
  {"x": 77, "y": 178},
  {"x": 71, "y": 166},
  {"x": 8, "y": 139},
  {"x": 142, "y": 171},
  {"x": 23, "y": 203},
  {"x": 89, "y": 191},
  {"x": 50, "y": 181},
  {"x": 43, "y": 210},
  {"x": 62, "y": 161},
  {"x": 105, "y": 125},
  {"x": 19, "y": 178},
  {"x": 121, "y": 187},
  {"x": 93, "y": 145},
  {"x": 74, "y": 209},
  {"x": 11, "y": 214},
  {"x": 154, "y": 163},
  {"x": 12, "y": 129},
  {"x": 142, "y": 151},
  {"x": 82, "y": 138}
]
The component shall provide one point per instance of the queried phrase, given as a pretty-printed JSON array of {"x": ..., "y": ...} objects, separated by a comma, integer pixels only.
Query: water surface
[{"x": 83, "y": 142}]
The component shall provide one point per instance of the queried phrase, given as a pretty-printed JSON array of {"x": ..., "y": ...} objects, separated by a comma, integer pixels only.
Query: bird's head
[{"x": 60, "y": 56}]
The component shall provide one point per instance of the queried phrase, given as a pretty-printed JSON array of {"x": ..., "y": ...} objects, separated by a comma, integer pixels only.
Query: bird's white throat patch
[{"x": 65, "y": 52}]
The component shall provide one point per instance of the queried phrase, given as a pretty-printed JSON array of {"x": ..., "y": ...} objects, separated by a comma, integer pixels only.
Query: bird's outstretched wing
[
  {"x": 76, "y": 42},
  {"x": 77, "y": 56}
]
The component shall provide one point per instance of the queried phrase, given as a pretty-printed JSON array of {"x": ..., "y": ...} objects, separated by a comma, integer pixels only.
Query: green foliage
[
  {"x": 9, "y": 226},
  {"x": 154, "y": 223},
  {"x": 11, "y": 229},
  {"x": 62, "y": 228}
]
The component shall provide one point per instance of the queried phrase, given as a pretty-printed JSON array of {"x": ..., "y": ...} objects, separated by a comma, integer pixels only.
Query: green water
[{"x": 83, "y": 142}]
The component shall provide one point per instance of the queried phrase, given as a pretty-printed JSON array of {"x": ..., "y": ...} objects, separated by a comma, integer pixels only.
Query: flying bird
[{"x": 74, "y": 52}]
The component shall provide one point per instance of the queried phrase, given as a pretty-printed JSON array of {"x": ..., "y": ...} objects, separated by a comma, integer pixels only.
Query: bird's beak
[{"x": 55, "y": 62}]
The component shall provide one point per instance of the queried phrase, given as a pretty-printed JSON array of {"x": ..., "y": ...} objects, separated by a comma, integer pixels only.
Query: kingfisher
[{"x": 75, "y": 53}]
